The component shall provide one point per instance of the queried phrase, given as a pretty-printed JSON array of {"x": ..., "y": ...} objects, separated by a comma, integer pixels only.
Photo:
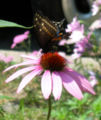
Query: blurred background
[
  {"x": 30, "y": 103},
  {"x": 22, "y": 13}
]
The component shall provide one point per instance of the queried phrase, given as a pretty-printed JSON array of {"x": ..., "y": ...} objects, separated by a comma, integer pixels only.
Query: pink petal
[
  {"x": 46, "y": 84},
  {"x": 95, "y": 25},
  {"x": 74, "y": 25},
  {"x": 28, "y": 78},
  {"x": 32, "y": 57},
  {"x": 57, "y": 85},
  {"x": 71, "y": 86},
  {"x": 62, "y": 42},
  {"x": 27, "y": 32},
  {"x": 75, "y": 56},
  {"x": 94, "y": 81},
  {"x": 8, "y": 59},
  {"x": 95, "y": 9},
  {"x": 20, "y": 38},
  {"x": 75, "y": 37},
  {"x": 18, "y": 73},
  {"x": 17, "y": 65},
  {"x": 13, "y": 45},
  {"x": 83, "y": 83}
]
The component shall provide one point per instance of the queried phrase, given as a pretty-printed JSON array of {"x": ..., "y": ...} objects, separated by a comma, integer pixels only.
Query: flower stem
[{"x": 49, "y": 108}]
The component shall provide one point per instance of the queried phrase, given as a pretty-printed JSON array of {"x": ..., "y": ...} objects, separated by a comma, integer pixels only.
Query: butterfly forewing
[{"x": 44, "y": 30}]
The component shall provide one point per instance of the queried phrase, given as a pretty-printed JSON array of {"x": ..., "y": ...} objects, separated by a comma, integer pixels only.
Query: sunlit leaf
[{"x": 4, "y": 23}]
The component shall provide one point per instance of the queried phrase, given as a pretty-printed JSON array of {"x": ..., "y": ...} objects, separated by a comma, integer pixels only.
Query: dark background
[
  {"x": 22, "y": 12},
  {"x": 18, "y": 11}
]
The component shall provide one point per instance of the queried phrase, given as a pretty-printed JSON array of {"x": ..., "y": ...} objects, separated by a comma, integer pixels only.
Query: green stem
[{"x": 49, "y": 109}]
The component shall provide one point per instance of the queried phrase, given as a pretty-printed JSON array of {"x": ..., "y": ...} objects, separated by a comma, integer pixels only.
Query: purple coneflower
[
  {"x": 81, "y": 46},
  {"x": 6, "y": 59},
  {"x": 96, "y": 7},
  {"x": 95, "y": 25},
  {"x": 74, "y": 25},
  {"x": 92, "y": 78},
  {"x": 76, "y": 31},
  {"x": 19, "y": 38},
  {"x": 55, "y": 73}
]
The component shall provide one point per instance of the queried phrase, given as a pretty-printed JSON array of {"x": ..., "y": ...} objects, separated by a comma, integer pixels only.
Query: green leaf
[
  {"x": 83, "y": 22},
  {"x": 4, "y": 23},
  {"x": 96, "y": 106},
  {"x": 5, "y": 97}
]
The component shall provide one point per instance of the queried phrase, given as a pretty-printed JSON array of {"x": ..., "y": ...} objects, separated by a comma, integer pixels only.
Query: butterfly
[{"x": 48, "y": 33}]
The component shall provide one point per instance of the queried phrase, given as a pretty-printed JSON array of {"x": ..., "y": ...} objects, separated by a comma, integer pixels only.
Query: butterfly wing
[
  {"x": 44, "y": 30},
  {"x": 48, "y": 33}
]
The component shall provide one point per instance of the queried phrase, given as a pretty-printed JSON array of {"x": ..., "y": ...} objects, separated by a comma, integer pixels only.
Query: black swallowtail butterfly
[{"x": 47, "y": 32}]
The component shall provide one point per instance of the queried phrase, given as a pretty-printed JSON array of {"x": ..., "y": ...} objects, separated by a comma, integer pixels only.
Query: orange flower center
[{"x": 52, "y": 61}]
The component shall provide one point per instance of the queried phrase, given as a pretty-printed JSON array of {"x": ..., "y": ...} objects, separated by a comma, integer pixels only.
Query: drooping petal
[
  {"x": 46, "y": 84},
  {"x": 18, "y": 65},
  {"x": 28, "y": 78},
  {"x": 32, "y": 57},
  {"x": 18, "y": 73},
  {"x": 57, "y": 85},
  {"x": 71, "y": 86},
  {"x": 83, "y": 83}
]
